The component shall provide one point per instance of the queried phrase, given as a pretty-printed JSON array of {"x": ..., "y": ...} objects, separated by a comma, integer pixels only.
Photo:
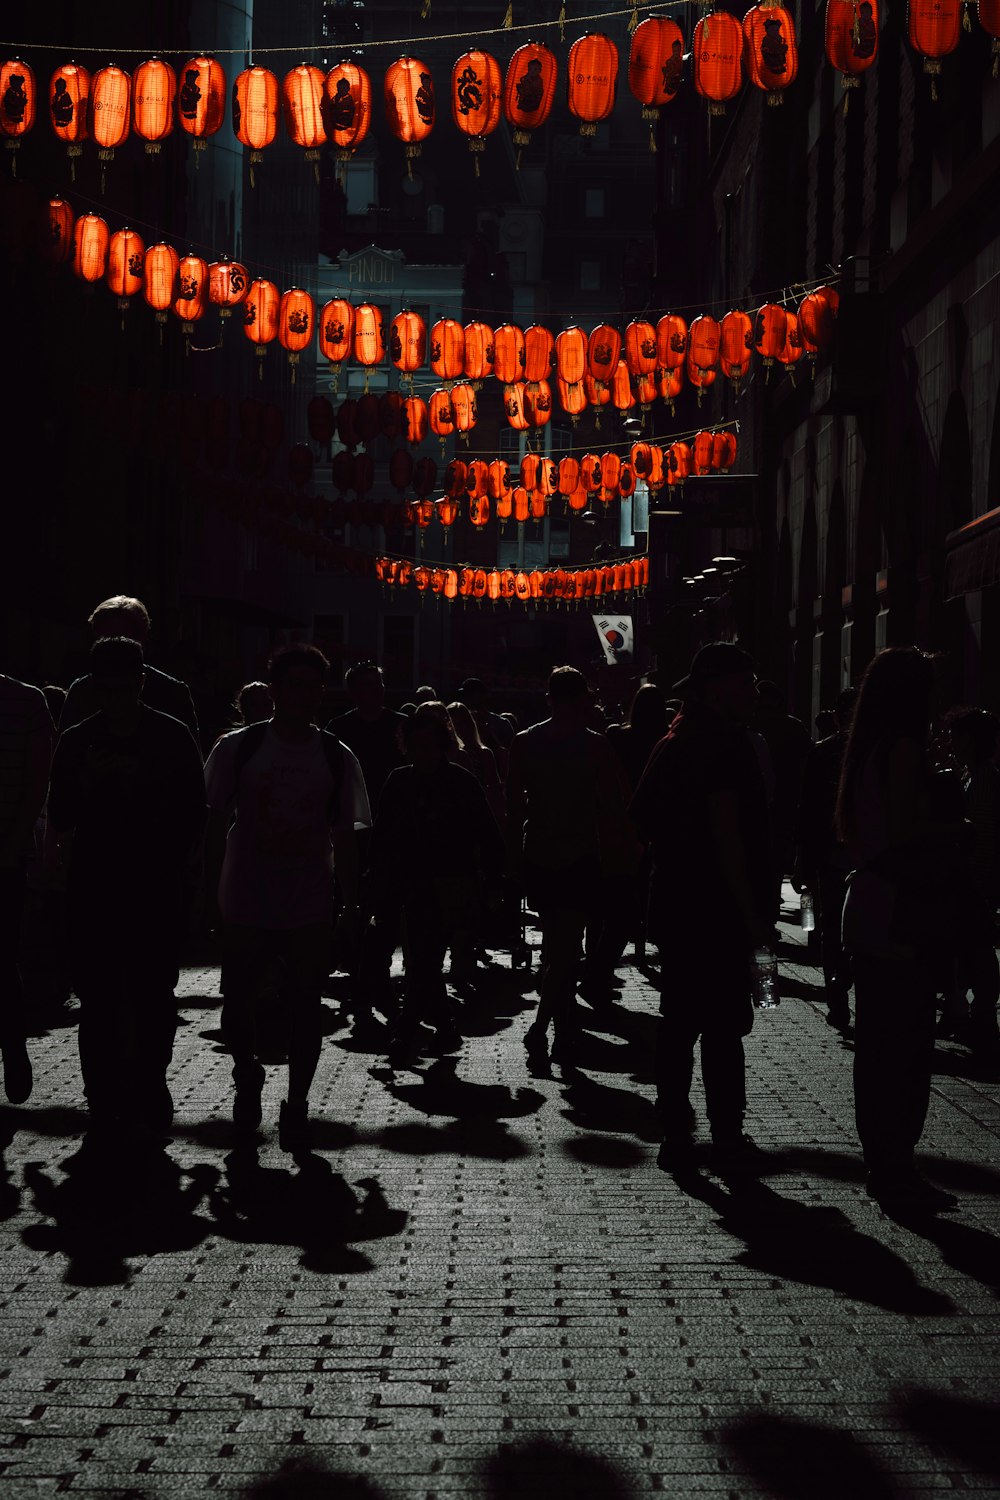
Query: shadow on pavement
[
  {"x": 963, "y": 1429},
  {"x": 440, "y": 1091},
  {"x": 302, "y": 1481},
  {"x": 117, "y": 1200},
  {"x": 815, "y": 1245},
  {"x": 485, "y": 1139},
  {"x": 974, "y": 1252},
  {"x": 10, "y": 1194},
  {"x": 957, "y": 1176},
  {"x": 804, "y": 1461},
  {"x": 592, "y": 1105},
  {"x": 603, "y": 1151}
]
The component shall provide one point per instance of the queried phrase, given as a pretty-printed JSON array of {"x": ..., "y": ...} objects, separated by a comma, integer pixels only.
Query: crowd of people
[{"x": 440, "y": 828}]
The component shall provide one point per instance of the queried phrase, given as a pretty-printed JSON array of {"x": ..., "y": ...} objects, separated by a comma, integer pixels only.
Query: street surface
[{"x": 480, "y": 1284}]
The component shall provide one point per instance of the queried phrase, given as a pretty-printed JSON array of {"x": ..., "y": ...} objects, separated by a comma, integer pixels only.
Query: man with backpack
[{"x": 299, "y": 798}]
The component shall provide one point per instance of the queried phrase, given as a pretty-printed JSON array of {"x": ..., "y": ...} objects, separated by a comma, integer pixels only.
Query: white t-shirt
[{"x": 278, "y": 866}]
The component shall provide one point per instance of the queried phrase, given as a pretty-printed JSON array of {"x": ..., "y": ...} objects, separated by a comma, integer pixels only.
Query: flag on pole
[{"x": 615, "y": 633}]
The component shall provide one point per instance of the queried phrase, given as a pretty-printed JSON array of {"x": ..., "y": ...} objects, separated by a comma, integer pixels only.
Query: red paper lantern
[
  {"x": 539, "y": 352},
  {"x": 703, "y": 344},
  {"x": 154, "y": 92},
  {"x": 735, "y": 345},
  {"x": 255, "y": 112},
  {"x": 793, "y": 348},
  {"x": 723, "y": 451},
  {"x": 409, "y": 104},
  {"x": 591, "y": 72},
  {"x": 571, "y": 355},
  {"x": 513, "y": 406},
  {"x": 18, "y": 103},
  {"x": 989, "y": 20},
  {"x": 509, "y": 356},
  {"x": 478, "y": 473},
  {"x": 475, "y": 98},
  {"x": 772, "y": 57},
  {"x": 192, "y": 291},
  {"x": 670, "y": 383},
  {"x": 701, "y": 453},
  {"x": 447, "y": 349},
  {"x": 201, "y": 99},
  {"x": 447, "y": 513},
  {"x": 537, "y": 403},
  {"x": 108, "y": 111},
  {"x": 478, "y": 358},
  {"x": 479, "y": 510},
  {"x": 228, "y": 283},
  {"x": 597, "y": 392},
  {"x": 934, "y": 27},
  {"x": 655, "y": 63},
  {"x": 671, "y": 341},
  {"x": 851, "y": 36},
  {"x": 521, "y": 503},
  {"x": 302, "y": 106},
  {"x": 415, "y": 419},
  {"x": 126, "y": 253},
  {"x": 529, "y": 91},
  {"x": 463, "y": 407},
  {"x": 603, "y": 350},
  {"x": 55, "y": 231},
  {"x": 717, "y": 59},
  {"x": 408, "y": 342},
  {"x": 769, "y": 333},
  {"x": 159, "y": 281},
  {"x": 347, "y": 108},
  {"x": 69, "y": 95},
  {"x": 369, "y": 336},
  {"x": 336, "y": 335},
  {"x": 622, "y": 397},
  {"x": 498, "y": 481},
  {"x": 296, "y": 318},
  {"x": 817, "y": 316},
  {"x": 572, "y": 398},
  {"x": 640, "y": 347}
]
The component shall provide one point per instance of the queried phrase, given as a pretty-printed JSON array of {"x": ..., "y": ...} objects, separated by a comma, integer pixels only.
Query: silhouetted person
[
  {"x": 701, "y": 806},
  {"x": 122, "y": 616},
  {"x": 566, "y": 827},
  {"x": 788, "y": 744},
  {"x": 127, "y": 810},
  {"x": 899, "y": 917},
  {"x": 435, "y": 849},
  {"x": 822, "y": 862},
  {"x": 299, "y": 797},
  {"x": 26, "y": 735}
]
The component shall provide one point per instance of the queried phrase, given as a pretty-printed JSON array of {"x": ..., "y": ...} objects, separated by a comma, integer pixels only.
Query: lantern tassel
[
  {"x": 652, "y": 139},
  {"x": 425, "y": 10},
  {"x": 508, "y": 19},
  {"x": 562, "y": 22},
  {"x": 633, "y": 20},
  {"x": 966, "y": 23}
]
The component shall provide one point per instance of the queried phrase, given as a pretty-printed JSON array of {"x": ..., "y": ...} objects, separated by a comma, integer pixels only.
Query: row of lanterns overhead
[
  {"x": 334, "y": 107},
  {"x": 509, "y": 585}
]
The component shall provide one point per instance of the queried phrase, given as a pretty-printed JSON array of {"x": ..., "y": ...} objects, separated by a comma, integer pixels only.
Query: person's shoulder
[
  {"x": 23, "y": 698},
  {"x": 163, "y": 679}
]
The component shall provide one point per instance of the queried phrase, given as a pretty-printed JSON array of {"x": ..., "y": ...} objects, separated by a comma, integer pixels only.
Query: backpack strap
[{"x": 251, "y": 740}]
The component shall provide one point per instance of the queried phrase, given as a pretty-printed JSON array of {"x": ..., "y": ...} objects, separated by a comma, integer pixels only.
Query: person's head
[
  {"x": 116, "y": 673},
  {"x": 427, "y": 739},
  {"x": 769, "y": 696},
  {"x": 253, "y": 703},
  {"x": 648, "y": 714},
  {"x": 433, "y": 708},
  {"x": 296, "y": 675},
  {"x": 722, "y": 677},
  {"x": 844, "y": 708},
  {"x": 826, "y": 723},
  {"x": 972, "y": 735},
  {"x": 895, "y": 701},
  {"x": 120, "y": 616},
  {"x": 475, "y": 693},
  {"x": 425, "y": 694},
  {"x": 511, "y": 720},
  {"x": 465, "y": 726},
  {"x": 365, "y": 687},
  {"x": 408, "y": 709},
  {"x": 568, "y": 692}
]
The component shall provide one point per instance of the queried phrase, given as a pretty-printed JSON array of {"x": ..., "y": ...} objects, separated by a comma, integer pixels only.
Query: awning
[{"x": 973, "y": 556}]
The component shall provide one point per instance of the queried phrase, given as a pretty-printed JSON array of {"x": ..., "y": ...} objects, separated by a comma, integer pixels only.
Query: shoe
[
  {"x": 677, "y": 1154},
  {"x": 910, "y": 1193},
  {"x": 737, "y": 1156},
  {"x": 17, "y": 1075},
  {"x": 536, "y": 1044},
  {"x": 294, "y": 1127},
  {"x": 403, "y": 1050},
  {"x": 247, "y": 1112},
  {"x": 839, "y": 1019}
]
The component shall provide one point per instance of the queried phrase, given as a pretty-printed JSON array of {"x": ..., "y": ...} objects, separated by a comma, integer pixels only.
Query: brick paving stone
[{"x": 479, "y": 1283}]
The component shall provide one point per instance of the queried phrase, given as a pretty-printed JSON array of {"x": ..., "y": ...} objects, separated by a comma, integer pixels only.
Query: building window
[
  {"x": 593, "y": 203},
  {"x": 590, "y": 275},
  {"x": 362, "y": 190}
]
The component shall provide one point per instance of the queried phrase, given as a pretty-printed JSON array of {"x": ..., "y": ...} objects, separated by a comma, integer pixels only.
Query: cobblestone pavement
[{"x": 480, "y": 1283}]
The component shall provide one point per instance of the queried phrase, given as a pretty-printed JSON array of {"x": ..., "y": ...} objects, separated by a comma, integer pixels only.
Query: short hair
[
  {"x": 426, "y": 694},
  {"x": 435, "y": 726},
  {"x": 121, "y": 604},
  {"x": 283, "y": 658},
  {"x": 567, "y": 685},
  {"x": 116, "y": 656},
  {"x": 361, "y": 669}
]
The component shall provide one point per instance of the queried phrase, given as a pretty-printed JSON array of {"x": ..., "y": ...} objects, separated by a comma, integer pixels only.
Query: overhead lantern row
[{"x": 510, "y": 585}]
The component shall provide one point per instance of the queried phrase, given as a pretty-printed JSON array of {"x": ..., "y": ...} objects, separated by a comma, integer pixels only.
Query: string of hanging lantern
[{"x": 536, "y": 587}]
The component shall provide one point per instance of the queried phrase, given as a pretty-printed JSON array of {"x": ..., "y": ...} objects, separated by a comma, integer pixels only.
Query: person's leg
[
  {"x": 983, "y": 976},
  {"x": 894, "y": 1048},
  {"x": 152, "y": 980},
  {"x": 104, "y": 1026},
  {"x": 832, "y": 887},
  {"x": 563, "y": 929},
  {"x": 424, "y": 993},
  {"x": 246, "y": 953},
  {"x": 305, "y": 958},
  {"x": 16, "y": 1063}
]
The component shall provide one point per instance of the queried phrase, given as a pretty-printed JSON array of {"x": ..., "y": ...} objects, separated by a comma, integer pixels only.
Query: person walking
[
  {"x": 566, "y": 829},
  {"x": 26, "y": 735},
  {"x": 126, "y": 813},
  {"x": 901, "y": 918},
  {"x": 123, "y": 617},
  {"x": 299, "y": 800},
  {"x": 701, "y": 806}
]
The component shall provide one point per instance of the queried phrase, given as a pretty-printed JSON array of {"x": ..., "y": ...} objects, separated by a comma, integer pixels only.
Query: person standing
[
  {"x": 900, "y": 918},
  {"x": 126, "y": 812},
  {"x": 299, "y": 800},
  {"x": 26, "y": 735},
  {"x": 788, "y": 743},
  {"x": 123, "y": 617},
  {"x": 701, "y": 806}
]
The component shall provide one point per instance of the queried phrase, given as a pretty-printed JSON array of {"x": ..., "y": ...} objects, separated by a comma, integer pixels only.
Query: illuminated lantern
[
  {"x": 409, "y": 105},
  {"x": 509, "y": 356},
  {"x": 591, "y": 72},
  {"x": 717, "y": 59},
  {"x": 770, "y": 330},
  {"x": 656, "y": 477},
  {"x": 260, "y": 317},
  {"x": 498, "y": 482},
  {"x": 108, "y": 112},
  {"x": 701, "y": 453},
  {"x": 547, "y": 478},
  {"x": 611, "y": 467},
  {"x": 369, "y": 336},
  {"x": 336, "y": 335},
  {"x": 493, "y": 586},
  {"x": 646, "y": 391},
  {"x": 521, "y": 501},
  {"x": 228, "y": 283},
  {"x": 201, "y": 99},
  {"x": 508, "y": 584},
  {"x": 475, "y": 98},
  {"x": 572, "y": 398},
  {"x": 522, "y": 587},
  {"x": 793, "y": 348},
  {"x": 423, "y": 514},
  {"x": 347, "y": 108},
  {"x": 699, "y": 378},
  {"x": 450, "y": 584},
  {"x": 603, "y": 350},
  {"x": 669, "y": 384},
  {"x": 421, "y": 577},
  {"x": 447, "y": 351},
  {"x": 18, "y": 103},
  {"x": 69, "y": 94},
  {"x": 817, "y": 315},
  {"x": 538, "y": 505},
  {"x": 455, "y": 476},
  {"x": 641, "y": 459},
  {"x": 723, "y": 451},
  {"x": 477, "y": 359},
  {"x": 735, "y": 346},
  {"x": 154, "y": 91},
  {"x": 571, "y": 355},
  {"x": 529, "y": 89},
  {"x": 92, "y": 240},
  {"x": 126, "y": 252},
  {"x": 478, "y": 477},
  {"x": 530, "y": 466},
  {"x": 159, "y": 280},
  {"x": 655, "y": 66},
  {"x": 192, "y": 291},
  {"x": 255, "y": 112},
  {"x": 640, "y": 346},
  {"x": 537, "y": 403},
  {"x": 621, "y": 388},
  {"x": 934, "y": 27},
  {"x": 513, "y": 406},
  {"x": 598, "y": 393},
  {"x": 590, "y": 473},
  {"x": 55, "y": 231},
  {"x": 447, "y": 513},
  {"x": 296, "y": 316},
  {"x": 302, "y": 107},
  {"x": 539, "y": 352},
  {"x": 772, "y": 57},
  {"x": 440, "y": 415},
  {"x": 463, "y": 408},
  {"x": 577, "y": 500},
  {"x": 851, "y": 36},
  {"x": 479, "y": 510},
  {"x": 415, "y": 419},
  {"x": 408, "y": 343},
  {"x": 505, "y": 507},
  {"x": 703, "y": 343},
  {"x": 671, "y": 341}
]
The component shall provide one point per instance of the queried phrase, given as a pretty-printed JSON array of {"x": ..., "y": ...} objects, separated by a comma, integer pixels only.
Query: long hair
[
  {"x": 894, "y": 703},
  {"x": 648, "y": 713},
  {"x": 465, "y": 726}
]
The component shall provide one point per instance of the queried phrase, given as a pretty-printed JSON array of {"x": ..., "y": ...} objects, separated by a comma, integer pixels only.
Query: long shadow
[
  {"x": 974, "y": 1252},
  {"x": 440, "y": 1091},
  {"x": 957, "y": 1176},
  {"x": 520, "y": 1469},
  {"x": 952, "y": 1062},
  {"x": 10, "y": 1193},
  {"x": 484, "y": 1139},
  {"x": 300, "y": 1480},
  {"x": 595, "y": 1106},
  {"x": 797, "y": 1460},
  {"x": 815, "y": 1245},
  {"x": 312, "y": 1207},
  {"x": 638, "y": 1029},
  {"x": 954, "y": 1425},
  {"x": 118, "y": 1199}
]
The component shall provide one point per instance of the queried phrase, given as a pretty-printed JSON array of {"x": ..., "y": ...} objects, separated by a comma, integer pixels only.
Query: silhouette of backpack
[{"x": 251, "y": 740}]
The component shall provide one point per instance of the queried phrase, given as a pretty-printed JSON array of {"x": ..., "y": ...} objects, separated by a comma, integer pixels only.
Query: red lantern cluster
[{"x": 538, "y": 587}]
